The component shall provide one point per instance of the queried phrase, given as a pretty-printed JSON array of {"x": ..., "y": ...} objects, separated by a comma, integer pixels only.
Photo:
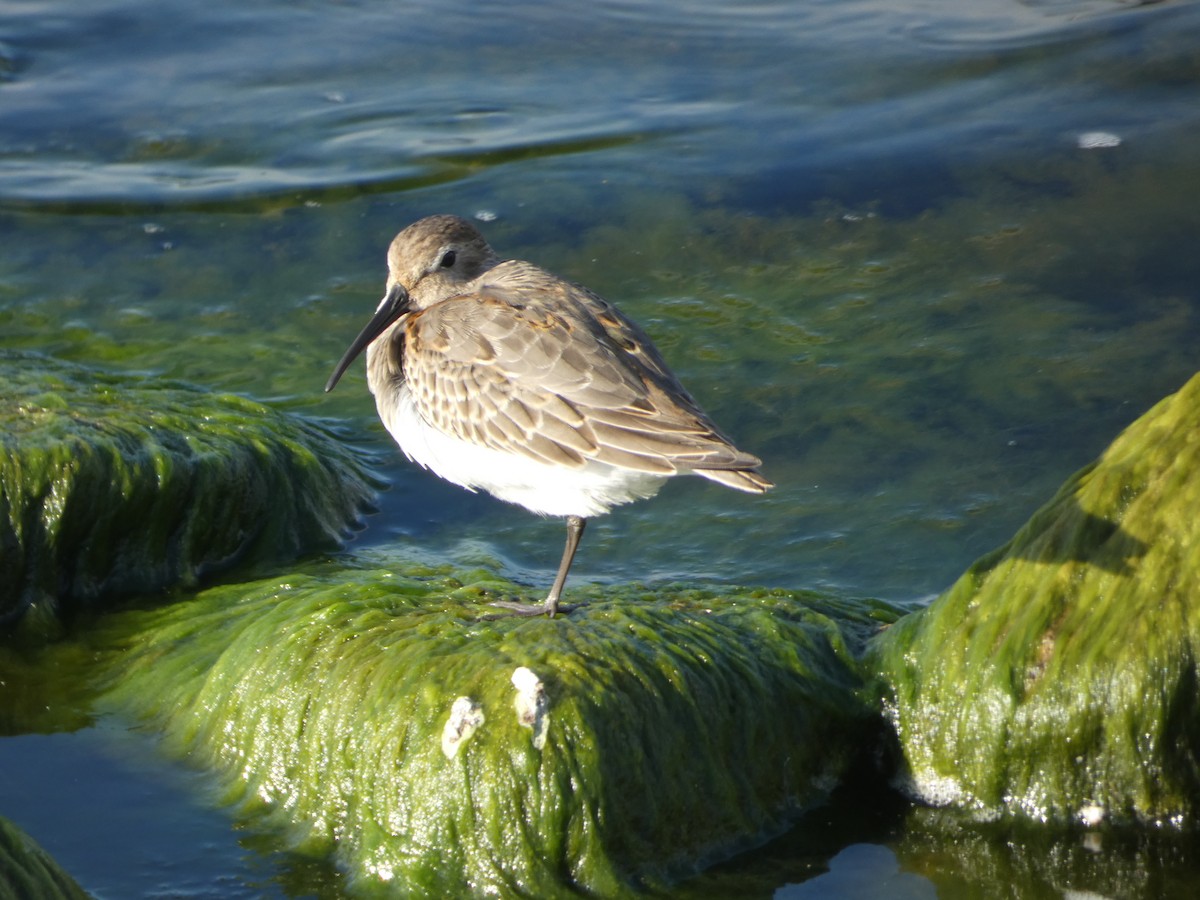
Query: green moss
[
  {"x": 670, "y": 729},
  {"x": 1057, "y": 678},
  {"x": 114, "y": 484},
  {"x": 27, "y": 871}
]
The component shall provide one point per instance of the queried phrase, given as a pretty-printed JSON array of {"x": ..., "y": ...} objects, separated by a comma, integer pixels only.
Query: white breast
[{"x": 590, "y": 490}]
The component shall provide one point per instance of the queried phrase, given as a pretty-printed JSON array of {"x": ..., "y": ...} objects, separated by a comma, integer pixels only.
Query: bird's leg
[{"x": 575, "y": 526}]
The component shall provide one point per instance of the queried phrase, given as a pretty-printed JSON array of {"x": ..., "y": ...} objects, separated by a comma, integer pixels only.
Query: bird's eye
[{"x": 448, "y": 259}]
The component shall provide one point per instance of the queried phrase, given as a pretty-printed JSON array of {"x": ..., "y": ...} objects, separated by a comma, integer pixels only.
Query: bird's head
[{"x": 429, "y": 261}]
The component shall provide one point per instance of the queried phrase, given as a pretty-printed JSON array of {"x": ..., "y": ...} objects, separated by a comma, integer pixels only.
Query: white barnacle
[
  {"x": 531, "y": 704},
  {"x": 1091, "y": 815},
  {"x": 465, "y": 716}
]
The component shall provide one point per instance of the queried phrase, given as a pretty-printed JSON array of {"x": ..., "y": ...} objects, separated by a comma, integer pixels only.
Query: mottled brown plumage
[{"x": 501, "y": 376}]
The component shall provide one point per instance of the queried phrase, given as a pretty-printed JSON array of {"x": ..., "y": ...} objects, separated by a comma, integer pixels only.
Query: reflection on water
[
  {"x": 869, "y": 236},
  {"x": 862, "y": 871}
]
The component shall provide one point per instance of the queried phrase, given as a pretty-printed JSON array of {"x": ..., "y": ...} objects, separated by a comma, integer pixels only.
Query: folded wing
[{"x": 564, "y": 380}]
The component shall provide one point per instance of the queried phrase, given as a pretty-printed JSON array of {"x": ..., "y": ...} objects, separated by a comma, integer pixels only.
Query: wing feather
[{"x": 532, "y": 365}]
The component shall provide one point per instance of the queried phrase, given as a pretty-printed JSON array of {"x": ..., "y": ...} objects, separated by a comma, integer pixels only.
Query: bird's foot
[{"x": 516, "y": 608}]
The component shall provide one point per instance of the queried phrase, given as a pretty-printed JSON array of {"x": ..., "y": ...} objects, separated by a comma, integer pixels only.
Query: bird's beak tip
[{"x": 393, "y": 305}]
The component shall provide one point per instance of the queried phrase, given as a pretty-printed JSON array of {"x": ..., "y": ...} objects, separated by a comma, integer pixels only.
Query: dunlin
[{"x": 498, "y": 375}]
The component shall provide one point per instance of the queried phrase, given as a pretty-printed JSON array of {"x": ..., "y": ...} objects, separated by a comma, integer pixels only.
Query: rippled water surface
[{"x": 926, "y": 259}]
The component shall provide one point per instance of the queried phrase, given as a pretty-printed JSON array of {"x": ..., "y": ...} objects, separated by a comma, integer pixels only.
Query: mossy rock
[
  {"x": 27, "y": 871},
  {"x": 114, "y": 484},
  {"x": 385, "y": 716},
  {"x": 1057, "y": 679}
]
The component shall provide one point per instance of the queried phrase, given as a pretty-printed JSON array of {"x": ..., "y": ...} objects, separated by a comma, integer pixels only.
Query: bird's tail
[{"x": 741, "y": 479}]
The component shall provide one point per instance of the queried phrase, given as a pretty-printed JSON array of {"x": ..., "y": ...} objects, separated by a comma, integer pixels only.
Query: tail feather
[{"x": 740, "y": 479}]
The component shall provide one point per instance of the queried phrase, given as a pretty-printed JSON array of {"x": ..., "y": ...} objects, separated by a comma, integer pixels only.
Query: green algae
[
  {"x": 664, "y": 730},
  {"x": 27, "y": 871},
  {"x": 1056, "y": 680},
  {"x": 112, "y": 485},
  {"x": 878, "y": 357}
]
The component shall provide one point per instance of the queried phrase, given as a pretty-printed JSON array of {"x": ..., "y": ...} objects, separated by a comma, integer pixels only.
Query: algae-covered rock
[
  {"x": 382, "y": 715},
  {"x": 1057, "y": 678},
  {"x": 113, "y": 484},
  {"x": 27, "y": 871}
]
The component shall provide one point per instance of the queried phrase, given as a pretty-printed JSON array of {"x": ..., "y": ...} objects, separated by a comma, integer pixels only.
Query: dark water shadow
[{"x": 864, "y": 810}]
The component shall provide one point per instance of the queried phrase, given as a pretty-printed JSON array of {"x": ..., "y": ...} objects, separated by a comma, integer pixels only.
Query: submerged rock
[
  {"x": 385, "y": 716},
  {"x": 27, "y": 871},
  {"x": 115, "y": 484},
  {"x": 1057, "y": 680}
]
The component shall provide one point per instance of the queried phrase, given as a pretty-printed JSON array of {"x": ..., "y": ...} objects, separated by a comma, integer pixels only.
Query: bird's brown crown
[{"x": 433, "y": 258}]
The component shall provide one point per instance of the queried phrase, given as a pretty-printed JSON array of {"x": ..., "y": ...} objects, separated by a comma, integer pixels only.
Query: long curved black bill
[{"x": 394, "y": 304}]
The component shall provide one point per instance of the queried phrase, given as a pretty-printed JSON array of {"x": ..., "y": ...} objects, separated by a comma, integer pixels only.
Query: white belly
[{"x": 550, "y": 490}]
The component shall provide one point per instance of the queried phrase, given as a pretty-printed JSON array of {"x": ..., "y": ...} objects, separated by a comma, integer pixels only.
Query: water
[{"x": 880, "y": 241}]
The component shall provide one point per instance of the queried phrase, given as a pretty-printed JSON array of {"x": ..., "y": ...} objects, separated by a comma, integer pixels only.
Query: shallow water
[{"x": 925, "y": 259}]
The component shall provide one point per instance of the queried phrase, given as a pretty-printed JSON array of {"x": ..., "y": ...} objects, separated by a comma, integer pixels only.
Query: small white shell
[
  {"x": 465, "y": 716},
  {"x": 531, "y": 704}
]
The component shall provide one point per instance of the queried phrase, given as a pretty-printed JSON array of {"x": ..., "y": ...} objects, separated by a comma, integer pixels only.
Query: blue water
[
  {"x": 976, "y": 266},
  {"x": 123, "y": 822}
]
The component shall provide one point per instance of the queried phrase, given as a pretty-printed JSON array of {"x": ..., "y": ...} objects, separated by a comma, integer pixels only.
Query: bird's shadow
[{"x": 1065, "y": 532}]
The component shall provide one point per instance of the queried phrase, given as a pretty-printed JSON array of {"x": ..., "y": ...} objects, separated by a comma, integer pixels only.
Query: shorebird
[{"x": 498, "y": 375}]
